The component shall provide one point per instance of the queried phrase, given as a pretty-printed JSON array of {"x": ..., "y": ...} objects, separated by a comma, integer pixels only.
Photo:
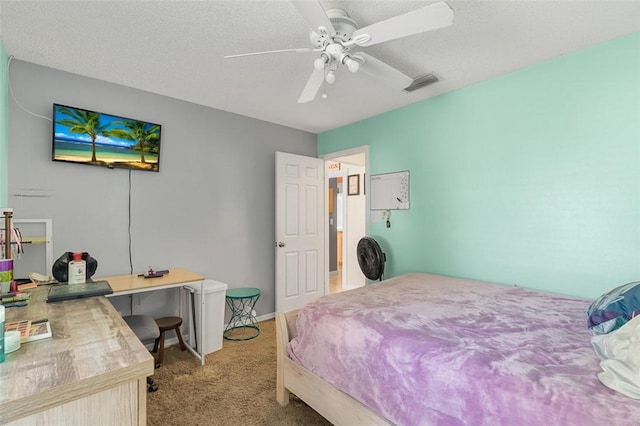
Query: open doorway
[{"x": 347, "y": 216}]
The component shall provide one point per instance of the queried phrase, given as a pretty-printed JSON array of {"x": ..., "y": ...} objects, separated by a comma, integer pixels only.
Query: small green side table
[{"x": 243, "y": 324}]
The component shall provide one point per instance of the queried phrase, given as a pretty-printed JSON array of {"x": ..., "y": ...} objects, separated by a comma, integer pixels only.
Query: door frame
[{"x": 332, "y": 156}]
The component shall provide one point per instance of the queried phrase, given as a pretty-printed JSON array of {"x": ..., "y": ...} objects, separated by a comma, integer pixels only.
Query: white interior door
[{"x": 300, "y": 230}]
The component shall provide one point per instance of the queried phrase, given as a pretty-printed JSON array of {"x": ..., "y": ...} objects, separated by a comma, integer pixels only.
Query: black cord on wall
[{"x": 130, "y": 255}]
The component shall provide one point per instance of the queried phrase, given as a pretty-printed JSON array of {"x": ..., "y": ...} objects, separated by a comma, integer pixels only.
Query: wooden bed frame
[{"x": 333, "y": 404}]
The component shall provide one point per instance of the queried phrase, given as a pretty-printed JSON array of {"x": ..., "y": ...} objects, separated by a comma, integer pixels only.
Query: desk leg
[
  {"x": 193, "y": 320},
  {"x": 198, "y": 351},
  {"x": 203, "y": 301}
]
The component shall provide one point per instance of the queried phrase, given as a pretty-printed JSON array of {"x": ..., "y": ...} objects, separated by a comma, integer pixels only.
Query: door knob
[{"x": 280, "y": 244}]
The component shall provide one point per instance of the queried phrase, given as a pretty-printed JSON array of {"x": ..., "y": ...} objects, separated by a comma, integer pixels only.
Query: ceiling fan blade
[
  {"x": 432, "y": 17},
  {"x": 314, "y": 14},
  {"x": 302, "y": 49},
  {"x": 383, "y": 72},
  {"x": 313, "y": 85}
]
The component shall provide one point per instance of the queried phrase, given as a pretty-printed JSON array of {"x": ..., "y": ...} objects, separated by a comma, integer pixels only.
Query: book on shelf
[{"x": 30, "y": 330}]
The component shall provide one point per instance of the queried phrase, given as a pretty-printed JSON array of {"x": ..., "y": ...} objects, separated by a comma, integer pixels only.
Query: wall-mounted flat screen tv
[{"x": 89, "y": 137}]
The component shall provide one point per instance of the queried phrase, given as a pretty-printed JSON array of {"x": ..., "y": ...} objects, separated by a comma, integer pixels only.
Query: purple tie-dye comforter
[{"x": 425, "y": 349}]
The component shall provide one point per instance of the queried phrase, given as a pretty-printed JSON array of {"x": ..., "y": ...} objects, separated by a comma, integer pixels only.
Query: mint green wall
[
  {"x": 532, "y": 178},
  {"x": 4, "y": 164}
]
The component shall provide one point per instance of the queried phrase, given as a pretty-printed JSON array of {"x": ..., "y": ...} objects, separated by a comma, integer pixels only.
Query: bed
[{"x": 424, "y": 349}]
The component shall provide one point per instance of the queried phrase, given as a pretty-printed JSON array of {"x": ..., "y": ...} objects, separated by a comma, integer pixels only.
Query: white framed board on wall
[{"x": 390, "y": 191}]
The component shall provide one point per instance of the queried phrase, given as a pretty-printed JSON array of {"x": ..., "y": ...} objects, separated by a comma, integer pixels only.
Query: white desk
[{"x": 130, "y": 284}]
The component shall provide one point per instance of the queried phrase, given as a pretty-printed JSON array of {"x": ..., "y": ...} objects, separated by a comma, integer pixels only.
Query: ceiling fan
[{"x": 334, "y": 34}]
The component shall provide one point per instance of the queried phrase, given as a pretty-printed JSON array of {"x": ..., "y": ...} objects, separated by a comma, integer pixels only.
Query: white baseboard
[{"x": 265, "y": 317}]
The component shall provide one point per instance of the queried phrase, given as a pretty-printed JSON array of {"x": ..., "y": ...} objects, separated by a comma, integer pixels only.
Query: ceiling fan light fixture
[
  {"x": 320, "y": 62},
  {"x": 353, "y": 65},
  {"x": 331, "y": 77}
]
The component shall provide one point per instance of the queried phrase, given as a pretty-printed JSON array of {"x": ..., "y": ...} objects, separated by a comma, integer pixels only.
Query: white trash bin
[{"x": 214, "y": 292}]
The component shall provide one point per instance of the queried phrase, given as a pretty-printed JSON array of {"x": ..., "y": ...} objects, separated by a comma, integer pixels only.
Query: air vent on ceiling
[{"x": 422, "y": 81}]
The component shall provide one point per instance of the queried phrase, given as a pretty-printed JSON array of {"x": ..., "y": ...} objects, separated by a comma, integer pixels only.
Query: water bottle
[
  {"x": 1, "y": 333},
  {"x": 77, "y": 270}
]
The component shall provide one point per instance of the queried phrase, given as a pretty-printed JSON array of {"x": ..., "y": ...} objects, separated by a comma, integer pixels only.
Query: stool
[
  {"x": 166, "y": 324},
  {"x": 242, "y": 324},
  {"x": 147, "y": 331}
]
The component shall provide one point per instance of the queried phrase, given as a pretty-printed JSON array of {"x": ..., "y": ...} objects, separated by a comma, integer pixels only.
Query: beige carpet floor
[{"x": 236, "y": 386}]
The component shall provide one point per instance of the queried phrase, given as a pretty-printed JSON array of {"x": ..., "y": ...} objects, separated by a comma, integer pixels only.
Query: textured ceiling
[{"x": 176, "y": 48}]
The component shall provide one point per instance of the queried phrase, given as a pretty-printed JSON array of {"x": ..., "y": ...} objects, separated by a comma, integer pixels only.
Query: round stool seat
[
  {"x": 166, "y": 324},
  {"x": 243, "y": 292}
]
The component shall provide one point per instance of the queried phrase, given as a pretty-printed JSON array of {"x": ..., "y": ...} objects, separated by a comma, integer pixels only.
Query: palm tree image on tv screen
[{"x": 88, "y": 137}]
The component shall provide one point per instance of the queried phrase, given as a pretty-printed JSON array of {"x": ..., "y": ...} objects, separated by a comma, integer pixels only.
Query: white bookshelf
[{"x": 37, "y": 243}]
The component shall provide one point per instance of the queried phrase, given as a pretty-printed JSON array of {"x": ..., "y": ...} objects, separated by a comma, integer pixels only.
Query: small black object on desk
[{"x": 154, "y": 274}]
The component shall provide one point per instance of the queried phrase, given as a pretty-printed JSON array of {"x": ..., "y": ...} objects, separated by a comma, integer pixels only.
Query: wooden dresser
[{"x": 92, "y": 371}]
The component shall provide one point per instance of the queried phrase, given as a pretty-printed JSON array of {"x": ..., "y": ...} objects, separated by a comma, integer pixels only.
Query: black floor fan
[{"x": 371, "y": 258}]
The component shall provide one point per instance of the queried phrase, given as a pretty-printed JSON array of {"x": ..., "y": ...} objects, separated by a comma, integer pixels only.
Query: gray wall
[{"x": 210, "y": 208}]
